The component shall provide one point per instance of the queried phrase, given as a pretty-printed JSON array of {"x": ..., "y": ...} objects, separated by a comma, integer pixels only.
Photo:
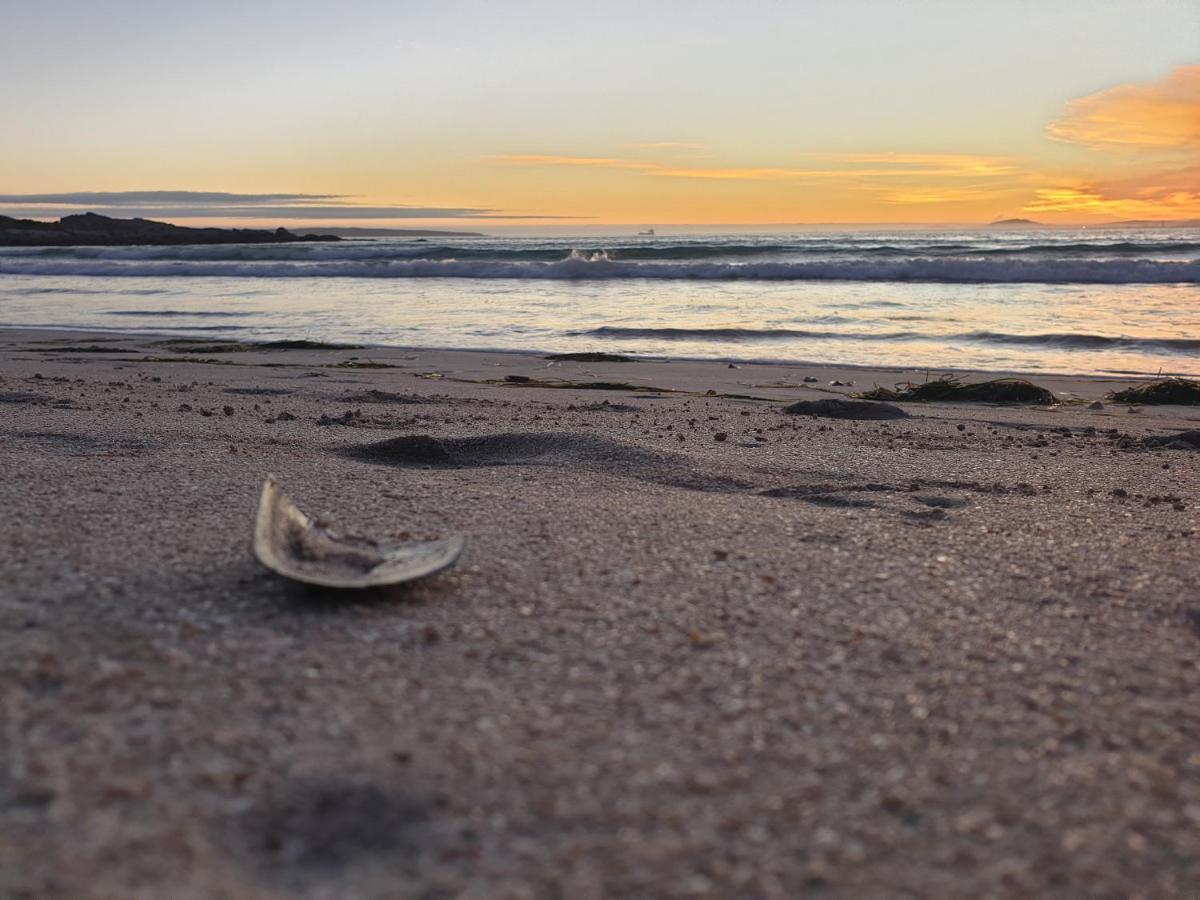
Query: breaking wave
[{"x": 601, "y": 265}]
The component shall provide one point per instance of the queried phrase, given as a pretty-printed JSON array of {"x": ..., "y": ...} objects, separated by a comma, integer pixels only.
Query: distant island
[
  {"x": 92, "y": 230},
  {"x": 1127, "y": 223},
  {"x": 1015, "y": 223}
]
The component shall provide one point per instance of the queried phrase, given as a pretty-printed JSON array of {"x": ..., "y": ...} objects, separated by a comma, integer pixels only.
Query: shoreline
[{"x": 215, "y": 335}]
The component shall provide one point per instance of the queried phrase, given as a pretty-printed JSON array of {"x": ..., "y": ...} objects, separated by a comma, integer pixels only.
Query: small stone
[{"x": 1095, "y": 404}]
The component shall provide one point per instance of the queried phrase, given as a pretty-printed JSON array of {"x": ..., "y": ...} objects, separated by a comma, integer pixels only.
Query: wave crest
[{"x": 600, "y": 265}]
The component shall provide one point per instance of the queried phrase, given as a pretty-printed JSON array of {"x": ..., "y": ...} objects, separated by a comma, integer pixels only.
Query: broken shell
[{"x": 294, "y": 545}]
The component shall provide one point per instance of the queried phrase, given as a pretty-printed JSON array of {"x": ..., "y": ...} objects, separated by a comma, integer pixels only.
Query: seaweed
[
  {"x": 949, "y": 387},
  {"x": 1181, "y": 391}
]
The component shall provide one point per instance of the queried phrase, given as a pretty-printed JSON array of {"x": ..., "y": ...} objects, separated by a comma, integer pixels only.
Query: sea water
[{"x": 1075, "y": 301}]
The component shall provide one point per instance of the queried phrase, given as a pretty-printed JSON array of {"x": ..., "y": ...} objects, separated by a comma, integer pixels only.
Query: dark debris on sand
[
  {"x": 1180, "y": 391},
  {"x": 949, "y": 387}
]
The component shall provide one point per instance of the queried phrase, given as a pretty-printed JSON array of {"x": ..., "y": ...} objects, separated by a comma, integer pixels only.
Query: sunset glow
[{"x": 407, "y": 114}]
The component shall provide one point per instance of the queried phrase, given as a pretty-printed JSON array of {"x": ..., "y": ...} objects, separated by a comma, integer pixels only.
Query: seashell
[{"x": 296, "y": 546}]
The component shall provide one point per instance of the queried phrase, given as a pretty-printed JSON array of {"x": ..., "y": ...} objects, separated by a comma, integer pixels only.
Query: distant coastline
[{"x": 92, "y": 230}]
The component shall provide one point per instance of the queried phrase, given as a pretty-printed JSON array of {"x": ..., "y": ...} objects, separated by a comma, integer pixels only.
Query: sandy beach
[{"x": 696, "y": 646}]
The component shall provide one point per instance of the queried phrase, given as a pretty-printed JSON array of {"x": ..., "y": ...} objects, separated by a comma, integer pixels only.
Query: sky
[{"x": 541, "y": 115}]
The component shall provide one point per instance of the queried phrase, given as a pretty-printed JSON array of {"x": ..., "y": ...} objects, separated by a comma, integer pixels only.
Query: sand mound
[
  {"x": 1183, "y": 440},
  {"x": 845, "y": 409},
  {"x": 558, "y": 449},
  {"x": 514, "y": 448}
]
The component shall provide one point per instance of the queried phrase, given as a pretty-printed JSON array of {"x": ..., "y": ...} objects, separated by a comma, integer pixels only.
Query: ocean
[{"x": 1070, "y": 301}]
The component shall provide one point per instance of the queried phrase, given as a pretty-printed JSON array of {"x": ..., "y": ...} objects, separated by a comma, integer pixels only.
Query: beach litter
[
  {"x": 1182, "y": 391},
  {"x": 296, "y": 546},
  {"x": 949, "y": 387}
]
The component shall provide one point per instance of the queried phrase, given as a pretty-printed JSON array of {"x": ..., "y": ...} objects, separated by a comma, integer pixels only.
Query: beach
[{"x": 696, "y": 646}]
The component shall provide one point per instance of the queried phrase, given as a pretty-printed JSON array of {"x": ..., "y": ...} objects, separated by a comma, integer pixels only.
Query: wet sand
[{"x": 696, "y": 647}]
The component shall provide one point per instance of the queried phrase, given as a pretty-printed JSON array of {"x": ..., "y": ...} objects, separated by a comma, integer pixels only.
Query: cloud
[
  {"x": 918, "y": 196},
  {"x": 163, "y": 198},
  {"x": 1150, "y": 124},
  {"x": 1160, "y": 115},
  {"x": 844, "y": 166},
  {"x": 1155, "y": 194},
  {"x": 954, "y": 165},
  {"x": 223, "y": 205}
]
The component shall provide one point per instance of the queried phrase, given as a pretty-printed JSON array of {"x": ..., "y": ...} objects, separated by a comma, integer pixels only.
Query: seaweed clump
[
  {"x": 1181, "y": 391},
  {"x": 949, "y": 387}
]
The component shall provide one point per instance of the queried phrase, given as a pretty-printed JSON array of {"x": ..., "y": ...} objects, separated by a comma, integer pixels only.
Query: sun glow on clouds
[
  {"x": 832, "y": 186},
  {"x": 1149, "y": 135},
  {"x": 1161, "y": 115},
  {"x": 1134, "y": 137},
  {"x": 844, "y": 166}
]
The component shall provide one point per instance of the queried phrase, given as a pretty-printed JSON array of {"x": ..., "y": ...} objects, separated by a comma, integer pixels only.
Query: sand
[{"x": 696, "y": 647}]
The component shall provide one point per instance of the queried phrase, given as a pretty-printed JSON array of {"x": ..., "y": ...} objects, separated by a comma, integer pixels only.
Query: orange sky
[{"x": 473, "y": 116}]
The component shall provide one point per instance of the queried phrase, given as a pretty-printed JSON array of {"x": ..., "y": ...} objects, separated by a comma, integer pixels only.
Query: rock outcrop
[{"x": 92, "y": 230}]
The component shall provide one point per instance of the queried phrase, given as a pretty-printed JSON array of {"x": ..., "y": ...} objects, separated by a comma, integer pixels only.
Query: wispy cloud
[
  {"x": 934, "y": 195},
  {"x": 837, "y": 166},
  {"x": 224, "y": 205},
  {"x": 1160, "y": 115},
  {"x": 955, "y": 165},
  {"x": 1136, "y": 132},
  {"x": 162, "y": 198},
  {"x": 1153, "y": 194}
]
